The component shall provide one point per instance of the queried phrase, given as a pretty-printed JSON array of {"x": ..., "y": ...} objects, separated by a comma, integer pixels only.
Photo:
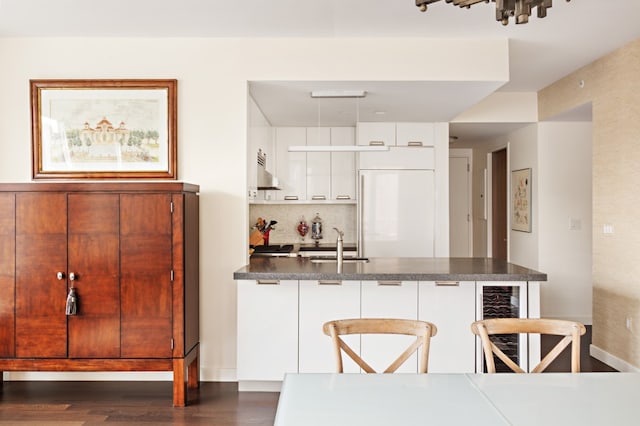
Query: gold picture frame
[
  {"x": 521, "y": 200},
  {"x": 104, "y": 129}
]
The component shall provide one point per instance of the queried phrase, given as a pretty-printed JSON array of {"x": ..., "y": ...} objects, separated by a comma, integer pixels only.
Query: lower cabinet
[
  {"x": 451, "y": 307},
  {"x": 322, "y": 301},
  {"x": 389, "y": 299},
  {"x": 267, "y": 329}
]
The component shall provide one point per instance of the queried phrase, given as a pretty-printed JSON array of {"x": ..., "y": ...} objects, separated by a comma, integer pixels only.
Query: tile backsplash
[{"x": 341, "y": 216}]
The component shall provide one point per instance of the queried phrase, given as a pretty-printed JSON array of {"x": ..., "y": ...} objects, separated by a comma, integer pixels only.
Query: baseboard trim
[{"x": 612, "y": 360}]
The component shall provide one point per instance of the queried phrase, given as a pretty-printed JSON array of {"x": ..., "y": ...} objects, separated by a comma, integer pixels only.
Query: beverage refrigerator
[{"x": 508, "y": 299}]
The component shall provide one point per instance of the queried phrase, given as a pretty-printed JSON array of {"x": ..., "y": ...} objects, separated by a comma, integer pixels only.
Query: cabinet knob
[
  {"x": 72, "y": 276},
  {"x": 60, "y": 276}
]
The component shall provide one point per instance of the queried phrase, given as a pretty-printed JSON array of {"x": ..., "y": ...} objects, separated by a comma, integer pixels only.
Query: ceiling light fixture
[
  {"x": 519, "y": 9},
  {"x": 338, "y": 148},
  {"x": 338, "y": 94}
]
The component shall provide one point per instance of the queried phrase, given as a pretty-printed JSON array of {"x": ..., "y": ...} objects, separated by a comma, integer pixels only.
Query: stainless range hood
[{"x": 266, "y": 181}]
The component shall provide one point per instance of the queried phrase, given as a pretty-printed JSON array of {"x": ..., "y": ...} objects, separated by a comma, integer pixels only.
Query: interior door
[
  {"x": 459, "y": 208},
  {"x": 145, "y": 286},
  {"x": 41, "y": 293},
  {"x": 94, "y": 255}
]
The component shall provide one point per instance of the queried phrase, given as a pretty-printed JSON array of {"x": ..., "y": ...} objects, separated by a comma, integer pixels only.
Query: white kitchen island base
[{"x": 280, "y": 317}]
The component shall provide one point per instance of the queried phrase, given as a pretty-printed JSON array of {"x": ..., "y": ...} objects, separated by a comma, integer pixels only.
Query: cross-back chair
[
  {"x": 423, "y": 331},
  {"x": 571, "y": 331}
]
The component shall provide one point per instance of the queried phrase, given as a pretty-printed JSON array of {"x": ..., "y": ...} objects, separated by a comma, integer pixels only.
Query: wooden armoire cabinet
[{"x": 129, "y": 251}]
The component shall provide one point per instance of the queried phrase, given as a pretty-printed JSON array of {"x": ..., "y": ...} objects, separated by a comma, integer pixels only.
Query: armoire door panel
[
  {"x": 41, "y": 252},
  {"x": 94, "y": 253},
  {"x": 145, "y": 287},
  {"x": 145, "y": 214},
  {"x": 7, "y": 274}
]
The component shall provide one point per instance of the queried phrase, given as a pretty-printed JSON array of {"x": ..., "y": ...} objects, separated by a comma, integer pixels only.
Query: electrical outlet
[{"x": 629, "y": 323}]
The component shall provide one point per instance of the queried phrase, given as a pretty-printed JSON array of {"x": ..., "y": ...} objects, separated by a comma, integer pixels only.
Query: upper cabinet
[
  {"x": 312, "y": 177},
  {"x": 415, "y": 134},
  {"x": 331, "y": 175},
  {"x": 343, "y": 165},
  {"x": 319, "y": 165},
  {"x": 375, "y": 134},
  {"x": 396, "y": 134},
  {"x": 291, "y": 167}
]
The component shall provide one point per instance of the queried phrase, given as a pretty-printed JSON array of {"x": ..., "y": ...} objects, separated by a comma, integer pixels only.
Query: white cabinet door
[
  {"x": 322, "y": 301},
  {"x": 415, "y": 134},
  {"x": 267, "y": 329},
  {"x": 451, "y": 307},
  {"x": 291, "y": 167},
  {"x": 377, "y": 134},
  {"x": 343, "y": 165},
  {"x": 318, "y": 165},
  {"x": 388, "y": 299}
]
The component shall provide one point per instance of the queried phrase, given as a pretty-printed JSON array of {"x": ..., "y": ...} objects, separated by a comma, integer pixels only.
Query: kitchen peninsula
[{"x": 283, "y": 302}]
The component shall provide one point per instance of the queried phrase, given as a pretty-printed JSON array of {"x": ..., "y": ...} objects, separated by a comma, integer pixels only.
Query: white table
[{"x": 460, "y": 399}]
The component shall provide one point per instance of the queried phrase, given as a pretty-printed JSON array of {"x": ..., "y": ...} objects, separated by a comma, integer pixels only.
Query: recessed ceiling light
[{"x": 380, "y": 112}]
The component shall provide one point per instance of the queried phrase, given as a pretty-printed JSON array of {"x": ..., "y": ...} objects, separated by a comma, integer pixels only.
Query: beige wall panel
[{"x": 611, "y": 84}]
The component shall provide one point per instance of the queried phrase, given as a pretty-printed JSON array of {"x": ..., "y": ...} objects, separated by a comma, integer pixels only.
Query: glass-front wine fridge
[{"x": 503, "y": 300}]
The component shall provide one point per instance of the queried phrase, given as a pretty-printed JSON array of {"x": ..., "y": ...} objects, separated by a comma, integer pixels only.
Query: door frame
[{"x": 489, "y": 200}]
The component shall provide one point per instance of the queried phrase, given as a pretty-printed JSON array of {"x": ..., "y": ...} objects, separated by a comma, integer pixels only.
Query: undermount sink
[{"x": 324, "y": 259}]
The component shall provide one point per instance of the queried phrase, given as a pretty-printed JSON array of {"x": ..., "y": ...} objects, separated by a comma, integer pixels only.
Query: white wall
[
  {"x": 564, "y": 195},
  {"x": 523, "y": 154},
  {"x": 212, "y": 121},
  {"x": 559, "y": 155}
]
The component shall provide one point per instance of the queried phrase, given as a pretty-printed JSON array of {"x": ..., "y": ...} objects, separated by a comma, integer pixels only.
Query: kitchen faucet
[{"x": 340, "y": 246}]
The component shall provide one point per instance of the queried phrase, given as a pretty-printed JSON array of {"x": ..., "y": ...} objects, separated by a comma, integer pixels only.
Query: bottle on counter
[{"x": 316, "y": 228}]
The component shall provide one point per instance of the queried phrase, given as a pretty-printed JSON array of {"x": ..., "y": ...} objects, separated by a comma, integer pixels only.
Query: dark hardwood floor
[
  {"x": 563, "y": 362},
  {"x": 149, "y": 403},
  {"x": 131, "y": 403}
]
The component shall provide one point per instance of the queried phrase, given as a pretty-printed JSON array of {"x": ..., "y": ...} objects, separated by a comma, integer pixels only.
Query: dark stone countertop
[{"x": 388, "y": 268}]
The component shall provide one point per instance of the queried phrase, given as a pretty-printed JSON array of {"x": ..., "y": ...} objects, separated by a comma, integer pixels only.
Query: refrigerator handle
[{"x": 361, "y": 217}]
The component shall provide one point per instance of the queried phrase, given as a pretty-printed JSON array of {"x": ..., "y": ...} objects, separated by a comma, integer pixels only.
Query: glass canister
[
  {"x": 316, "y": 228},
  {"x": 302, "y": 228}
]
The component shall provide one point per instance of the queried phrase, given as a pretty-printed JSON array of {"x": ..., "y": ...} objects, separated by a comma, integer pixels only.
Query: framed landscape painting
[
  {"x": 104, "y": 129},
  {"x": 521, "y": 200}
]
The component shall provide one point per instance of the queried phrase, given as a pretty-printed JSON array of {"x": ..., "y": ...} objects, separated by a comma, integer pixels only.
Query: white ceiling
[{"x": 542, "y": 51}]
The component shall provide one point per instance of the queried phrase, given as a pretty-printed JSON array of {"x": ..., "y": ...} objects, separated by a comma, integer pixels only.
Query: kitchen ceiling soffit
[{"x": 287, "y": 103}]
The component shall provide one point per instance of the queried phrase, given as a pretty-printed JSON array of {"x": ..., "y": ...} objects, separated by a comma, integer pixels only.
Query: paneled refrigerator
[{"x": 396, "y": 213}]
